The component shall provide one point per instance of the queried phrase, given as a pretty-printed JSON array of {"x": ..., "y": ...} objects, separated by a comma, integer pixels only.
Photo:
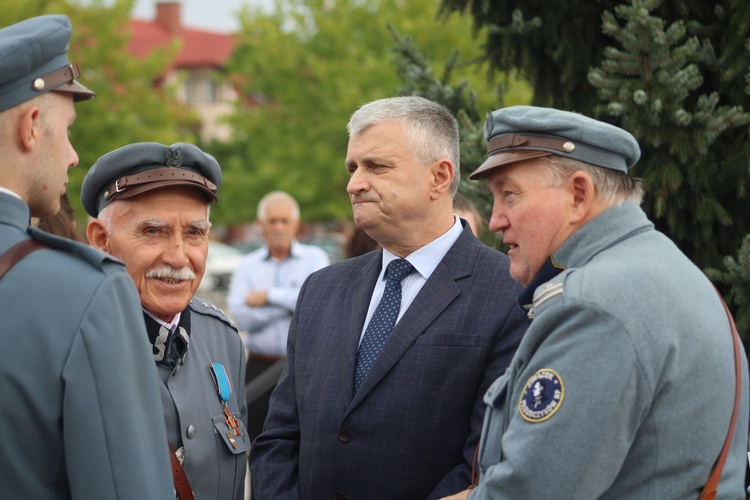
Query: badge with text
[{"x": 542, "y": 396}]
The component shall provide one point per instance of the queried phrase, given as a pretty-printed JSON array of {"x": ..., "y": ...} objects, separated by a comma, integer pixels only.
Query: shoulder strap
[
  {"x": 709, "y": 491},
  {"x": 181, "y": 483},
  {"x": 16, "y": 253}
]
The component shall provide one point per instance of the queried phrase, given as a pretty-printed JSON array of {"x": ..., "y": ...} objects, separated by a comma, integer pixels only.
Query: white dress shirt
[
  {"x": 267, "y": 327},
  {"x": 424, "y": 260}
]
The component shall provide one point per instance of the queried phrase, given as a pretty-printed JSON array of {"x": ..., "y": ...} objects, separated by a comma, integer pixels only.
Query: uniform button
[
  {"x": 345, "y": 436},
  {"x": 191, "y": 431}
]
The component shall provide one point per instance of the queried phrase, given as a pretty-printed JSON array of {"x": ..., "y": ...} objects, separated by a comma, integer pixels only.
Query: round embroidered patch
[{"x": 542, "y": 396}]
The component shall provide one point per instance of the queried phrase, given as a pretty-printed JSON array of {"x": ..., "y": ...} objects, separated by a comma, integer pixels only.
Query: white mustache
[{"x": 168, "y": 272}]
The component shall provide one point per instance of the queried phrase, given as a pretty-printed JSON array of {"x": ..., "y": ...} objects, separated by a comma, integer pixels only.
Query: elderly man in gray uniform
[
  {"x": 150, "y": 204},
  {"x": 626, "y": 382},
  {"x": 80, "y": 413}
]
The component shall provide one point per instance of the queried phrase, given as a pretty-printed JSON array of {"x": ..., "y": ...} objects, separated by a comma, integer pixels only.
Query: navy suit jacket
[{"x": 411, "y": 430}]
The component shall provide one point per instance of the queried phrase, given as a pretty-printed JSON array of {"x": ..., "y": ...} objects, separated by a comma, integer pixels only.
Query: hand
[
  {"x": 257, "y": 298},
  {"x": 462, "y": 495}
]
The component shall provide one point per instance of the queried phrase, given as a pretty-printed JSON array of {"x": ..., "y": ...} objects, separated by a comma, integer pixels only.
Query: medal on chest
[{"x": 224, "y": 390}]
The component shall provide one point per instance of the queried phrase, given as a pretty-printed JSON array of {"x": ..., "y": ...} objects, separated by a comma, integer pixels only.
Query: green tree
[
  {"x": 305, "y": 68},
  {"x": 419, "y": 78},
  {"x": 675, "y": 74},
  {"x": 672, "y": 73},
  {"x": 661, "y": 82},
  {"x": 736, "y": 275},
  {"x": 127, "y": 107}
]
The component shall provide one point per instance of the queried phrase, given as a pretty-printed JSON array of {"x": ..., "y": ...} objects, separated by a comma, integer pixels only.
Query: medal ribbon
[{"x": 224, "y": 389}]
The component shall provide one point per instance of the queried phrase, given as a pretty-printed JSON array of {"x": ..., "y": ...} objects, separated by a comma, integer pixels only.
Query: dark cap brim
[
  {"x": 136, "y": 190},
  {"x": 506, "y": 158},
  {"x": 80, "y": 93}
]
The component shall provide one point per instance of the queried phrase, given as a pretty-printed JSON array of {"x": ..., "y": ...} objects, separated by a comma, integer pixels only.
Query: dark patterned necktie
[{"x": 383, "y": 320}]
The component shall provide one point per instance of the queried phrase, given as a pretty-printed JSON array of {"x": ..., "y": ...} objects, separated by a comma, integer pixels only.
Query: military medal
[{"x": 224, "y": 389}]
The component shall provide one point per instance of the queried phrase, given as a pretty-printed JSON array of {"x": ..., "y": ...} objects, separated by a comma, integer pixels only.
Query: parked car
[{"x": 221, "y": 262}]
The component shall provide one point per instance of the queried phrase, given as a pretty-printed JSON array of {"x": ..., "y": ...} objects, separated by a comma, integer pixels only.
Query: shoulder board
[
  {"x": 91, "y": 255},
  {"x": 208, "y": 308},
  {"x": 550, "y": 292}
]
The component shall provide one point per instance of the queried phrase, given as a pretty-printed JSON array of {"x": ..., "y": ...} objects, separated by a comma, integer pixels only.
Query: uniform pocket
[{"x": 235, "y": 443}]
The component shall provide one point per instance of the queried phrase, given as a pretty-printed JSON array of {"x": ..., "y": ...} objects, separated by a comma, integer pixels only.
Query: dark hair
[
  {"x": 463, "y": 204},
  {"x": 63, "y": 223},
  {"x": 360, "y": 243}
]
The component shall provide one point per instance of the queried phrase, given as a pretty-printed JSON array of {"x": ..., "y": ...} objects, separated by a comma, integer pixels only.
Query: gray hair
[
  {"x": 429, "y": 127},
  {"x": 612, "y": 187},
  {"x": 277, "y": 196}
]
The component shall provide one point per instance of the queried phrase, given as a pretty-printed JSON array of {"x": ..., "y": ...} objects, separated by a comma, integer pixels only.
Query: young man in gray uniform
[
  {"x": 625, "y": 383},
  {"x": 151, "y": 206},
  {"x": 80, "y": 412}
]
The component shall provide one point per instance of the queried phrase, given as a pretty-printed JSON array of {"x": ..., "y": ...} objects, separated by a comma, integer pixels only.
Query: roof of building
[{"x": 200, "y": 48}]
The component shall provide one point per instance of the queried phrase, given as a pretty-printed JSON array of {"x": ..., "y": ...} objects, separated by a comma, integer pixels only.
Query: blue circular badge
[{"x": 542, "y": 396}]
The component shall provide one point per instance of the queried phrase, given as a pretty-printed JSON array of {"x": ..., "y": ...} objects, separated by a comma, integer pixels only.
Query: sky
[{"x": 218, "y": 15}]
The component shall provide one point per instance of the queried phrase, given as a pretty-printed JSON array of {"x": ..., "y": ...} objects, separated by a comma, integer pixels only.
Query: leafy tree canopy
[
  {"x": 672, "y": 73},
  {"x": 127, "y": 107},
  {"x": 306, "y": 67}
]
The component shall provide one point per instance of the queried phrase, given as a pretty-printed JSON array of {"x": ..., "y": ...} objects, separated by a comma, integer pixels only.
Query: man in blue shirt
[{"x": 264, "y": 291}]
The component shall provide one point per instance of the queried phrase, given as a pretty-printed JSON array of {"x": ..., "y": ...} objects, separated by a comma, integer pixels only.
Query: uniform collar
[
  {"x": 169, "y": 342},
  {"x": 605, "y": 230},
  {"x": 548, "y": 271},
  {"x": 15, "y": 212},
  {"x": 602, "y": 232}
]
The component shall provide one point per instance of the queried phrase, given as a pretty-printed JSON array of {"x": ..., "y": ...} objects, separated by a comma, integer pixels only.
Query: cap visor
[
  {"x": 80, "y": 93},
  {"x": 505, "y": 158},
  {"x": 136, "y": 190}
]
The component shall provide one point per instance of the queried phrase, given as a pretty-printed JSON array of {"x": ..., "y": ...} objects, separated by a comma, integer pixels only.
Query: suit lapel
[{"x": 437, "y": 293}]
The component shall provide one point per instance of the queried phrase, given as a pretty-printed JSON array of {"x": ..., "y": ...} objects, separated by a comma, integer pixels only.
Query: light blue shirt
[
  {"x": 267, "y": 327},
  {"x": 424, "y": 260}
]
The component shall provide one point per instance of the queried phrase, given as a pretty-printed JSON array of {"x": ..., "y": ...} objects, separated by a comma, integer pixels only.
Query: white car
[{"x": 221, "y": 262}]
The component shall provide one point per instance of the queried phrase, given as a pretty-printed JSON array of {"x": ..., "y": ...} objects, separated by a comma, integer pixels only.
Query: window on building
[
  {"x": 190, "y": 89},
  {"x": 210, "y": 90}
]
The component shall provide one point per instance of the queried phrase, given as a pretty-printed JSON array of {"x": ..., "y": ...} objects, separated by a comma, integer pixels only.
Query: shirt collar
[
  {"x": 168, "y": 326},
  {"x": 427, "y": 258},
  {"x": 293, "y": 251},
  {"x": 8, "y": 191}
]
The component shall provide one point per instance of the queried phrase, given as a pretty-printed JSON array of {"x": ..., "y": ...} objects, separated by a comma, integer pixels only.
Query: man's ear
[
  {"x": 97, "y": 235},
  {"x": 583, "y": 195},
  {"x": 442, "y": 176},
  {"x": 29, "y": 128}
]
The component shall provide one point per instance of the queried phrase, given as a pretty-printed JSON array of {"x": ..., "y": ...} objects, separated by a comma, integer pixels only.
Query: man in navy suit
[{"x": 410, "y": 428}]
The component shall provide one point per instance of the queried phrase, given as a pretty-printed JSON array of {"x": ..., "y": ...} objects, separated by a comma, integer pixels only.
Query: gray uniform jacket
[
  {"x": 623, "y": 385},
  {"x": 193, "y": 412},
  {"x": 80, "y": 415}
]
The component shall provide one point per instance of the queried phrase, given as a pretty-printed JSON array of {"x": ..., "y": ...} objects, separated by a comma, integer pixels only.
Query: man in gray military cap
[
  {"x": 629, "y": 379},
  {"x": 150, "y": 204},
  {"x": 80, "y": 411}
]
